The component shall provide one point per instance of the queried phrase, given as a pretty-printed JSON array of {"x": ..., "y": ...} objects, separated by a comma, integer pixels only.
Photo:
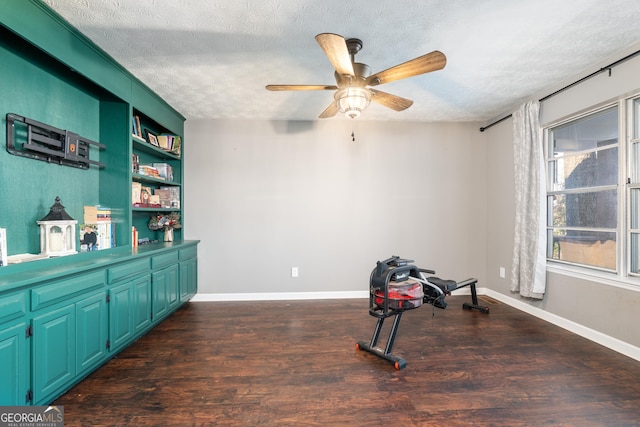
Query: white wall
[
  {"x": 602, "y": 307},
  {"x": 266, "y": 196}
]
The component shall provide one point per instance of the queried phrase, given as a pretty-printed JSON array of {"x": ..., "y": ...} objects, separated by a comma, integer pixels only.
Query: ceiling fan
[{"x": 354, "y": 79}]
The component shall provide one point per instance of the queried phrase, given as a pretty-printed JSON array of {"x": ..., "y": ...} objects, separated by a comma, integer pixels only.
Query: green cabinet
[
  {"x": 141, "y": 303},
  {"x": 129, "y": 310},
  {"x": 69, "y": 331},
  {"x": 188, "y": 273},
  {"x": 57, "y": 325},
  {"x": 14, "y": 357},
  {"x": 91, "y": 332},
  {"x": 129, "y": 301},
  {"x": 165, "y": 283},
  {"x": 14, "y": 352},
  {"x": 53, "y": 349},
  {"x": 62, "y": 317},
  {"x": 120, "y": 315}
]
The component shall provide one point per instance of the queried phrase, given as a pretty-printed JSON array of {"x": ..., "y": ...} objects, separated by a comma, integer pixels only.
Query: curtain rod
[{"x": 607, "y": 68}]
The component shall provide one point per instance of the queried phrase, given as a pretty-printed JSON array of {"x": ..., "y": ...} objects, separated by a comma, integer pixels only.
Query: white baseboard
[
  {"x": 280, "y": 296},
  {"x": 588, "y": 333}
]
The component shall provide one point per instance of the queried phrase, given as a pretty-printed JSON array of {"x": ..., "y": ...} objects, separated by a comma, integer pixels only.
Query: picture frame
[{"x": 152, "y": 138}]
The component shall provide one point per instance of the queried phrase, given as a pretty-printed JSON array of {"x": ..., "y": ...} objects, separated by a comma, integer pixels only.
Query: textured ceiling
[{"x": 213, "y": 58}]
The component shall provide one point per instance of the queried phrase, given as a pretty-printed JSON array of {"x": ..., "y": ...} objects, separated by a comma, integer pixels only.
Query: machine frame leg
[
  {"x": 372, "y": 347},
  {"x": 474, "y": 297}
]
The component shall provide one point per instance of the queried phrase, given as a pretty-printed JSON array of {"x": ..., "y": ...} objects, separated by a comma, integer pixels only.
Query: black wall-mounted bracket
[{"x": 40, "y": 141}]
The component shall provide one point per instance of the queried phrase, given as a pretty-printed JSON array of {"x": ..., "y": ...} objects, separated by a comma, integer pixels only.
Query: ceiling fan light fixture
[{"x": 352, "y": 100}]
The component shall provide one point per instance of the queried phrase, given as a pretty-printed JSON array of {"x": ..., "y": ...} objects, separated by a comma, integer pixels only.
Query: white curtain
[{"x": 528, "y": 270}]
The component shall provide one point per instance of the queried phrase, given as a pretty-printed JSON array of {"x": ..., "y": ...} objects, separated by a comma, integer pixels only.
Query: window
[
  {"x": 633, "y": 185},
  {"x": 582, "y": 190}
]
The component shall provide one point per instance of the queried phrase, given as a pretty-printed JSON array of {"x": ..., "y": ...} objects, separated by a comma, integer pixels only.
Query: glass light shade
[{"x": 352, "y": 100}]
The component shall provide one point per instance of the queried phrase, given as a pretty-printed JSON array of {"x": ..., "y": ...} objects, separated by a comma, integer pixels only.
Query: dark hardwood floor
[{"x": 294, "y": 363}]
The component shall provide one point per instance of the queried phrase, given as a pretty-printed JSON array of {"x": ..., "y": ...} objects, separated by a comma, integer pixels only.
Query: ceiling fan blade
[
  {"x": 330, "y": 111},
  {"x": 300, "y": 87},
  {"x": 423, "y": 64},
  {"x": 335, "y": 47},
  {"x": 391, "y": 101}
]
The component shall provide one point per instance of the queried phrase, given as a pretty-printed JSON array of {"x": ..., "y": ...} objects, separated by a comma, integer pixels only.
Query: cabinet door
[
  {"x": 142, "y": 305},
  {"x": 173, "y": 285},
  {"x": 188, "y": 279},
  {"x": 121, "y": 306},
  {"x": 91, "y": 332},
  {"x": 53, "y": 351},
  {"x": 164, "y": 284},
  {"x": 13, "y": 364},
  {"x": 160, "y": 304}
]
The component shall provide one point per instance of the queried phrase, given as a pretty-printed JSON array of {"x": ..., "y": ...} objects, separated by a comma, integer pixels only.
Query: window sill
[{"x": 609, "y": 279}]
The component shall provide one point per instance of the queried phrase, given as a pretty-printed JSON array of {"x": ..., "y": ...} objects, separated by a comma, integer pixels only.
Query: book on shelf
[
  {"x": 94, "y": 237},
  {"x": 164, "y": 197},
  {"x": 104, "y": 214},
  {"x": 91, "y": 214},
  {"x": 150, "y": 171},
  {"x": 136, "y": 193},
  {"x": 3, "y": 247},
  {"x": 170, "y": 142},
  {"x": 95, "y": 214},
  {"x": 143, "y": 197},
  {"x": 135, "y": 163},
  {"x": 137, "y": 129},
  {"x": 165, "y": 171},
  {"x": 174, "y": 196},
  {"x": 98, "y": 231},
  {"x": 134, "y": 237}
]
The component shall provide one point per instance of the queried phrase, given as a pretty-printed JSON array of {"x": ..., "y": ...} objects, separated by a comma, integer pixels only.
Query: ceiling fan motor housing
[{"x": 361, "y": 72}]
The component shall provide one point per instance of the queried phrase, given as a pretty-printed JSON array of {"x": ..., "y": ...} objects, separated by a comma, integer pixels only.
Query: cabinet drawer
[
  {"x": 188, "y": 253},
  {"x": 128, "y": 270},
  {"x": 59, "y": 290},
  {"x": 13, "y": 306},
  {"x": 164, "y": 260}
]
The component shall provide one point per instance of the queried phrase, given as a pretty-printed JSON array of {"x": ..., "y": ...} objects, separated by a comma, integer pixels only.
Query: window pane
[
  {"x": 635, "y": 253},
  {"x": 591, "y": 169},
  {"x": 597, "y": 209},
  {"x": 634, "y": 162},
  {"x": 634, "y": 208},
  {"x": 592, "y": 248},
  {"x": 588, "y": 133},
  {"x": 636, "y": 119}
]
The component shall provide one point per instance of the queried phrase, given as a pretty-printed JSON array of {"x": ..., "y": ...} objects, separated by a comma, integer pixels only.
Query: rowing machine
[{"x": 396, "y": 286}]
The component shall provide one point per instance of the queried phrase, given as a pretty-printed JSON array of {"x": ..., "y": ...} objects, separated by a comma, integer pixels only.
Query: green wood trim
[
  {"x": 34, "y": 272},
  {"x": 54, "y": 292},
  {"x": 188, "y": 253},
  {"x": 13, "y": 306},
  {"x": 44, "y": 28},
  {"x": 128, "y": 270},
  {"x": 164, "y": 260}
]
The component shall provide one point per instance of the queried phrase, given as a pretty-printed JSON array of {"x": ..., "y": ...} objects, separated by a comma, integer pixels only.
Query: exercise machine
[{"x": 395, "y": 286}]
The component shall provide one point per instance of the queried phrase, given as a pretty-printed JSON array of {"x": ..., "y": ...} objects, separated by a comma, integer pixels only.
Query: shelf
[
  {"x": 142, "y": 145},
  {"x": 150, "y": 179},
  {"x": 135, "y": 209}
]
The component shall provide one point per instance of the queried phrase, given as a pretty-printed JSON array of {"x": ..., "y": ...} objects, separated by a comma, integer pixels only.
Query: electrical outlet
[
  {"x": 502, "y": 272},
  {"x": 294, "y": 271}
]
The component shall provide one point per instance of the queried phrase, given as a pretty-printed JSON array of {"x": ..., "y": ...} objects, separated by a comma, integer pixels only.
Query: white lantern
[{"x": 57, "y": 232}]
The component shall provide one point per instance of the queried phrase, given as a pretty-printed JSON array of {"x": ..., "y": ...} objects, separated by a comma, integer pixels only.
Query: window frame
[{"x": 622, "y": 231}]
